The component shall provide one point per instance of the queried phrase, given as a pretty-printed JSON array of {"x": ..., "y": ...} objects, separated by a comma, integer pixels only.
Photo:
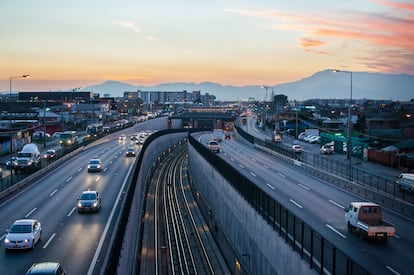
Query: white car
[
  {"x": 122, "y": 137},
  {"x": 23, "y": 234},
  {"x": 95, "y": 165}
]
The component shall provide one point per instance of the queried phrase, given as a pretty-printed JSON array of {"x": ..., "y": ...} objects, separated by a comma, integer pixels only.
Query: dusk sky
[{"x": 69, "y": 44}]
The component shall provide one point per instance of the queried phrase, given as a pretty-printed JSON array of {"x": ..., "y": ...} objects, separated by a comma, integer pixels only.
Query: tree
[{"x": 279, "y": 101}]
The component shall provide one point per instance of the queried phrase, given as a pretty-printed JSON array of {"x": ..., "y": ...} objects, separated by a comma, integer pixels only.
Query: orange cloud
[{"x": 403, "y": 6}]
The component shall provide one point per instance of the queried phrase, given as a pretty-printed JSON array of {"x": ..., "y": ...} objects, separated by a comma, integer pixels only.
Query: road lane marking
[
  {"x": 270, "y": 186},
  {"x": 31, "y": 212},
  {"x": 295, "y": 203},
  {"x": 50, "y": 239},
  {"x": 110, "y": 162},
  {"x": 392, "y": 270},
  {"x": 68, "y": 179},
  {"x": 54, "y": 192},
  {"x": 71, "y": 211},
  {"x": 253, "y": 174},
  {"x": 303, "y": 186},
  {"x": 265, "y": 166},
  {"x": 80, "y": 169},
  {"x": 336, "y": 231},
  {"x": 280, "y": 174},
  {"x": 108, "y": 222},
  {"x": 232, "y": 159},
  {"x": 337, "y": 204},
  {"x": 241, "y": 166},
  {"x": 98, "y": 178},
  {"x": 2, "y": 237},
  {"x": 106, "y": 168},
  {"x": 254, "y": 160}
]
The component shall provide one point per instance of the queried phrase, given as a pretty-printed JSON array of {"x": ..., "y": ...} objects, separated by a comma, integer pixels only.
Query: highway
[
  {"x": 322, "y": 206},
  {"x": 78, "y": 241}
]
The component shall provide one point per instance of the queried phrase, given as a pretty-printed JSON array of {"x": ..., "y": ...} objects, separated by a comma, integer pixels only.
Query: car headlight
[
  {"x": 89, "y": 166},
  {"x": 95, "y": 204},
  {"x": 6, "y": 240},
  {"x": 29, "y": 163},
  {"x": 26, "y": 240},
  {"x": 79, "y": 204}
]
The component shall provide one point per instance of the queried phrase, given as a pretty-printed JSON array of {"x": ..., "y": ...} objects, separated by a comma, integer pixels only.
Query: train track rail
[{"x": 179, "y": 241}]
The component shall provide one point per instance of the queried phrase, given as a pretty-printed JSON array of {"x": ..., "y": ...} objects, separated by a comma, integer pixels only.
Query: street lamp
[
  {"x": 348, "y": 146},
  {"x": 10, "y": 125}
]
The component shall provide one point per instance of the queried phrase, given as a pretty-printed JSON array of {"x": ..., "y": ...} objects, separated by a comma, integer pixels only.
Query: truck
[
  {"x": 365, "y": 218},
  {"x": 28, "y": 158}
]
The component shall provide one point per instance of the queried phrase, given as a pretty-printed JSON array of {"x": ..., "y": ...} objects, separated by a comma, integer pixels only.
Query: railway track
[{"x": 178, "y": 239}]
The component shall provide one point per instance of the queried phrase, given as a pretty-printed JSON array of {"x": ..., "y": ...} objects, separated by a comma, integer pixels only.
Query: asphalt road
[{"x": 322, "y": 206}]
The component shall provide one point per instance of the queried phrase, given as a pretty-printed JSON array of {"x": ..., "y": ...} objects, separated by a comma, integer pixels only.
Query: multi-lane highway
[{"x": 322, "y": 206}]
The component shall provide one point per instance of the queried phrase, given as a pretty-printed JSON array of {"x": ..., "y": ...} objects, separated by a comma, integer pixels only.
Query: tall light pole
[
  {"x": 264, "y": 105},
  {"x": 349, "y": 141},
  {"x": 10, "y": 125}
]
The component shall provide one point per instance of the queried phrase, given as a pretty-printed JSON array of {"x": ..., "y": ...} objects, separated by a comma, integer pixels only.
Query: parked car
[
  {"x": 95, "y": 165},
  {"x": 405, "y": 182},
  {"x": 314, "y": 139},
  {"x": 46, "y": 268},
  {"x": 326, "y": 149},
  {"x": 50, "y": 154},
  {"x": 89, "y": 201},
  {"x": 23, "y": 234}
]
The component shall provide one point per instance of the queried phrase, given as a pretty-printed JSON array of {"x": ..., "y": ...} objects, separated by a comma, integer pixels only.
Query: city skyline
[{"x": 70, "y": 44}]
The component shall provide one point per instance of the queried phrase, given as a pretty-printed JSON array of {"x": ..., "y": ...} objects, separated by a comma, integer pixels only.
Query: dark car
[
  {"x": 89, "y": 201},
  {"x": 130, "y": 152},
  {"x": 50, "y": 154},
  {"x": 46, "y": 268}
]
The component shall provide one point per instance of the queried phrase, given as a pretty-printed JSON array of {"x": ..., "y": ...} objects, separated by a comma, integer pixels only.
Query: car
[
  {"x": 95, "y": 165},
  {"x": 326, "y": 149},
  {"x": 213, "y": 146},
  {"x": 1, "y": 172},
  {"x": 134, "y": 136},
  {"x": 89, "y": 201},
  {"x": 50, "y": 154},
  {"x": 46, "y": 268},
  {"x": 122, "y": 137},
  {"x": 297, "y": 148},
  {"x": 40, "y": 134},
  {"x": 314, "y": 139},
  {"x": 140, "y": 141},
  {"x": 130, "y": 152},
  {"x": 10, "y": 161},
  {"x": 23, "y": 234}
]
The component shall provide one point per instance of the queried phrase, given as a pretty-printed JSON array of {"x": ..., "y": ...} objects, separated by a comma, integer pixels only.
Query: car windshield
[
  {"x": 21, "y": 228},
  {"x": 94, "y": 162},
  {"x": 88, "y": 197}
]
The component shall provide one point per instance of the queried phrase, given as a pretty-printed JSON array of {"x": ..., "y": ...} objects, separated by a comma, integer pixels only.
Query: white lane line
[
  {"x": 2, "y": 237},
  {"x": 31, "y": 212},
  {"x": 265, "y": 166},
  {"x": 295, "y": 203},
  {"x": 254, "y": 160},
  {"x": 253, "y": 174},
  {"x": 280, "y": 174},
  {"x": 108, "y": 222},
  {"x": 50, "y": 239},
  {"x": 80, "y": 169},
  {"x": 397, "y": 236},
  {"x": 106, "y": 168},
  {"x": 392, "y": 270},
  {"x": 270, "y": 186},
  {"x": 98, "y": 178},
  {"x": 304, "y": 187},
  {"x": 71, "y": 211},
  {"x": 337, "y": 204},
  {"x": 241, "y": 166},
  {"x": 54, "y": 192},
  {"x": 68, "y": 179},
  {"x": 232, "y": 159},
  {"x": 336, "y": 231},
  {"x": 110, "y": 162}
]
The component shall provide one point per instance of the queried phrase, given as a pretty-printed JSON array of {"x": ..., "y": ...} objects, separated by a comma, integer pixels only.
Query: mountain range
[{"x": 323, "y": 85}]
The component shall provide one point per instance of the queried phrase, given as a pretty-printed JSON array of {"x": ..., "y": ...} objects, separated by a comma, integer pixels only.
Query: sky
[{"x": 66, "y": 44}]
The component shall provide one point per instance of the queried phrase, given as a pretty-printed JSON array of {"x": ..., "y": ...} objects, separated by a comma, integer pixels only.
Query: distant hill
[{"x": 324, "y": 84}]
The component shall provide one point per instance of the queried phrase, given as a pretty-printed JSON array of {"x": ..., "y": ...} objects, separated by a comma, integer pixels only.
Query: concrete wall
[{"x": 248, "y": 238}]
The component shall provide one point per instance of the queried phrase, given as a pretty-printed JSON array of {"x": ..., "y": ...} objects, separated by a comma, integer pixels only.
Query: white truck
[
  {"x": 366, "y": 219},
  {"x": 28, "y": 158}
]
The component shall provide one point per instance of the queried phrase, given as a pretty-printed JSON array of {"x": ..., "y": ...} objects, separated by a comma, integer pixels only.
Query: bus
[{"x": 68, "y": 138}]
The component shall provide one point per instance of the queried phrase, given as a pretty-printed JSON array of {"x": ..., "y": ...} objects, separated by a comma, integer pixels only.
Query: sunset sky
[{"x": 69, "y": 44}]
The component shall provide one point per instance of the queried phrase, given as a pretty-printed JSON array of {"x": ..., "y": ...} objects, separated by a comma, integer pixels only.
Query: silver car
[
  {"x": 95, "y": 165},
  {"x": 89, "y": 201},
  {"x": 23, "y": 234}
]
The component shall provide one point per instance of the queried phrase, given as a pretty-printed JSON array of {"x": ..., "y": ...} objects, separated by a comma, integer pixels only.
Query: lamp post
[
  {"x": 10, "y": 125},
  {"x": 349, "y": 140}
]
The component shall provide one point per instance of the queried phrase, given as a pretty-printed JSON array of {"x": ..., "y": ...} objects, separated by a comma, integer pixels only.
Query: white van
[{"x": 405, "y": 181}]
